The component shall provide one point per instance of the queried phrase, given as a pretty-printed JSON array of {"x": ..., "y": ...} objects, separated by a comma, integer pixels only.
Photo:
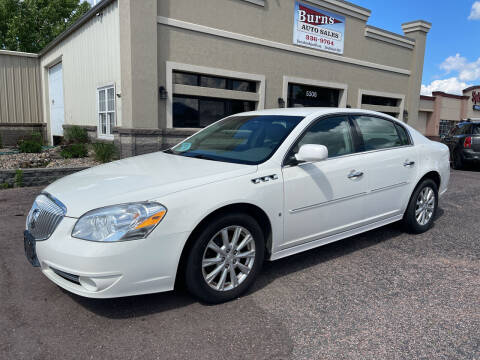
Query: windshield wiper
[{"x": 168, "y": 151}]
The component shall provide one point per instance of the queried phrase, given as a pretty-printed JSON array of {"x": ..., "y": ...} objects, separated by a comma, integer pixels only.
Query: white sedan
[{"x": 252, "y": 187}]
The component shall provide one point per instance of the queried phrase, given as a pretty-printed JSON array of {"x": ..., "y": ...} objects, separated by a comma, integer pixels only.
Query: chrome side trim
[
  {"x": 328, "y": 202},
  {"x": 390, "y": 187}
]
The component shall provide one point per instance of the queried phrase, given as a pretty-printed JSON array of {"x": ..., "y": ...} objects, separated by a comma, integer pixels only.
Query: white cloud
[
  {"x": 451, "y": 85},
  {"x": 467, "y": 71},
  {"x": 475, "y": 13}
]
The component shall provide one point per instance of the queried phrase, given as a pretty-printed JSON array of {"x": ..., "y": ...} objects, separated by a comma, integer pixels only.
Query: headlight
[{"x": 119, "y": 222}]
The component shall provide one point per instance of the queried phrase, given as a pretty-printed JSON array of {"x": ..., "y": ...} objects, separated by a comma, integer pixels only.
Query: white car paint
[{"x": 307, "y": 206}]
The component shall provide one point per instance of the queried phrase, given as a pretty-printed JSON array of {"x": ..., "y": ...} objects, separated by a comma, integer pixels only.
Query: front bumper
[{"x": 107, "y": 270}]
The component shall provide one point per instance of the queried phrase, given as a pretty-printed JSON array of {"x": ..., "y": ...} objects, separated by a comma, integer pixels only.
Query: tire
[
  {"x": 202, "y": 281},
  {"x": 412, "y": 224},
  {"x": 457, "y": 162}
]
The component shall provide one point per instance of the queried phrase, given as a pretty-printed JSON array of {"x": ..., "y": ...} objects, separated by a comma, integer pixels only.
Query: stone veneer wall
[
  {"x": 131, "y": 142},
  {"x": 39, "y": 176},
  {"x": 10, "y": 134}
]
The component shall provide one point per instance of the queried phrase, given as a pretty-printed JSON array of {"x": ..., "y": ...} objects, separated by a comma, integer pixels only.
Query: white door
[
  {"x": 55, "y": 86},
  {"x": 327, "y": 197},
  {"x": 391, "y": 165}
]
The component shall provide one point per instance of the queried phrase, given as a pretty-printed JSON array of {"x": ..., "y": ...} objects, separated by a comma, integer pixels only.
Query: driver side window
[{"x": 333, "y": 132}]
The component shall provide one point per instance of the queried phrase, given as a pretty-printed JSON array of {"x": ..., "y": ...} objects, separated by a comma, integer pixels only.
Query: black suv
[{"x": 464, "y": 143}]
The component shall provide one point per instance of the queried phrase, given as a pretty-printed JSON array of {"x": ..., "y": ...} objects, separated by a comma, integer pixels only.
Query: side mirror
[{"x": 312, "y": 153}]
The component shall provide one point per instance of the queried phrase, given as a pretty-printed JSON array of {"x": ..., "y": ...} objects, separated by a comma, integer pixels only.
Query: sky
[{"x": 452, "y": 57}]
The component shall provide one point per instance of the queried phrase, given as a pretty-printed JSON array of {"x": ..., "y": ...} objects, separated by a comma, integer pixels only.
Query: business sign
[
  {"x": 318, "y": 29},
  {"x": 475, "y": 97}
]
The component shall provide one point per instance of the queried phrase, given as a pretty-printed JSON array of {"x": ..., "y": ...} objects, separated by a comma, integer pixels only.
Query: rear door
[{"x": 391, "y": 163}]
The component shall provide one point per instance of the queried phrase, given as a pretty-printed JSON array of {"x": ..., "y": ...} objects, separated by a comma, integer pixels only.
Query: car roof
[{"x": 312, "y": 111}]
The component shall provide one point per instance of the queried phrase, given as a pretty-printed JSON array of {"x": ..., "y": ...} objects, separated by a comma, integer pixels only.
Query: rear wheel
[
  {"x": 457, "y": 163},
  {"x": 422, "y": 207},
  {"x": 225, "y": 259}
]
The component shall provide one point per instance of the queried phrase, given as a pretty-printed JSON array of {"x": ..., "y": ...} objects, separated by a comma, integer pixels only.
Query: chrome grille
[{"x": 44, "y": 217}]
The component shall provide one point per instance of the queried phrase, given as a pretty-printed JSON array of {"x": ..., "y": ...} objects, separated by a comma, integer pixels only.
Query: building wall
[
  {"x": 377, "y": 65},
  {"x": 450, "y": 109},
  {"x": 20, "y": 97},
  {"x": 90, "y": 58},
  {"x": 20, "y": 89}
]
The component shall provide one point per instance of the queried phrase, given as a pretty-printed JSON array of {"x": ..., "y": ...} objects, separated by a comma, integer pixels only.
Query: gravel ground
[
  {"x": 49, "y": 158},
  {"x": 381, "y": 295}
]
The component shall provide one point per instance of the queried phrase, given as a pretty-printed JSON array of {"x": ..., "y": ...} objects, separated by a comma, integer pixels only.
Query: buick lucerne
[{"x": 252, "y": 187}]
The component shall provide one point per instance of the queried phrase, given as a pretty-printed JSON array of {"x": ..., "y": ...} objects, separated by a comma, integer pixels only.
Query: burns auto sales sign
[{"x": 318, "y": 29}]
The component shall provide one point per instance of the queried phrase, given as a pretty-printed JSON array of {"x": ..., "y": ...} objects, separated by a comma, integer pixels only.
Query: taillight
[{"x": 467, "y": 144}]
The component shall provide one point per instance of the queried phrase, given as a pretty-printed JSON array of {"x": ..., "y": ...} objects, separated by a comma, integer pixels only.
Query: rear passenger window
[
  {"x": 377, "y": 133},
  {"x": 402, "y": 132},
  {"x": 476, "y": 130}
]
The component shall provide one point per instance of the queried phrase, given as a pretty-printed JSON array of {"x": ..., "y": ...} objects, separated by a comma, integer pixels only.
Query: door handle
[
  {"x": 408, "y": 163},
  {"x": 354, "y": 174}
]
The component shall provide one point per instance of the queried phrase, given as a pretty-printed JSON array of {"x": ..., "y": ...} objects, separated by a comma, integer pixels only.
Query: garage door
[{"x": 55, "y": 86}]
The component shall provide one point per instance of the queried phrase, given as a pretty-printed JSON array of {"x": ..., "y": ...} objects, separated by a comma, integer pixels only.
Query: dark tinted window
[
  {"x": 402, "y": 132},
  {"x": 217, "y": 82},
  {"x": 332, "y": 132},
  {"x": 476, "y": 130},
  {"x": 377, "y": 133},
  {"x": 379, "y": 100},
  {"x": 194, "y": 112}
]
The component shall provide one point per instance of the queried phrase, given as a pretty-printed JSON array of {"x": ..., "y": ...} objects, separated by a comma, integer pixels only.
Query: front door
[
  {"x": 327, "y": 197},
  {"x": 55, "y": 86}
]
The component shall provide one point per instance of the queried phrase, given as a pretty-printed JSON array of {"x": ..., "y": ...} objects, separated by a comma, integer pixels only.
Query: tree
[{"x": 29, "y": 25}]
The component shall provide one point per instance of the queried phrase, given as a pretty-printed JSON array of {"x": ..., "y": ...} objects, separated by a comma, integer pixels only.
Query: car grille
[{"x": 44, "y": 217}]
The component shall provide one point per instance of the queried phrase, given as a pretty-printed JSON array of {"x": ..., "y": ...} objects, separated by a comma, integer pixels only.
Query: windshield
[{"x": 240, "y": 139}]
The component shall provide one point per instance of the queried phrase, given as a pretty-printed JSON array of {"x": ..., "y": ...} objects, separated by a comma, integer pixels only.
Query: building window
[
  {"x": 312, "y": 96},
  {"x": 445, "y": 127},
  {"x": 379, "y": 100},
  {"x": 217, "y": 82},
  {"x": 106, "y": 111},
  {"x": 195, "y": 112}
]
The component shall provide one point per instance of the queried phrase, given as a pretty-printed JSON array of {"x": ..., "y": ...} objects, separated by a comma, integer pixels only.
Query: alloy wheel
[
  {"x": 425, "y": 206},
  {"x": 228, "y": 258}
]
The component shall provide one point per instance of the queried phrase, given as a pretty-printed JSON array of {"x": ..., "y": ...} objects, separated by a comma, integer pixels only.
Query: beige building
[
  {"x": 148, "y": 73},
  {"x": 442, "y": 111}
]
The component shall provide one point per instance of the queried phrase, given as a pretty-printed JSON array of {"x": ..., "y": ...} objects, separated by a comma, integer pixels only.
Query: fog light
[{"x": 95, "y": 284}]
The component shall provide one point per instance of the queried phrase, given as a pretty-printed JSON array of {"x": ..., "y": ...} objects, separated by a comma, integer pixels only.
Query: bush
[
  {"x": 104, "y": 152},
  {"x": 32, "y": 144},
  {"x": 19, "y": 178},
  {"x": 75, "y": 135},
  {"x": 74, "y": 151}
]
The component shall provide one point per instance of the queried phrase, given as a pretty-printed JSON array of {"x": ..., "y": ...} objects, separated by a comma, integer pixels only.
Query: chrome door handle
[
  {"x": 408, "y": 163},
  {"x": 354, "y": 174}
]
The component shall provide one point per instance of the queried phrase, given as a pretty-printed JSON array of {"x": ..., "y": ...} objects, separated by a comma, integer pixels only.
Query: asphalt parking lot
[{"x": 381, "y": 295}]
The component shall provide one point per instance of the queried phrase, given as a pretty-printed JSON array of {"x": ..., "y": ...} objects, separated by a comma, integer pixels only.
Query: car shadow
[{"x": 143, "y": 305}]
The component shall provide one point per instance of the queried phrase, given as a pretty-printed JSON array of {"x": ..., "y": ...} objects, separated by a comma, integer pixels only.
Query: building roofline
[
  {"x": 402, "y": 37},
  {"x": 425, "y": 97},
  {"x": 343, "y": 7},
  {"x": 452, "y": 96},
  {"x": 475, "y": 87},
  {"x": 76, "y": 25},
  {"x": 18, "y": 53}
]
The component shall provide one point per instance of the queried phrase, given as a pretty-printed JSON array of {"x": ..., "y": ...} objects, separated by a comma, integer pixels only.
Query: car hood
[{"x": 139, "y": 178}]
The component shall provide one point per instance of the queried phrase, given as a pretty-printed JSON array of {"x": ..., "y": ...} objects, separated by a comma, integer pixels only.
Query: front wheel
[
  {"x": 422, "y": 207},
  {"x": 225, "y": 259}
]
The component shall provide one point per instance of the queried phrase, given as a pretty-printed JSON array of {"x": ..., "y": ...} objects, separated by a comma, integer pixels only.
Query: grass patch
[
  {"x": 74, "y": 151},
  {"x": 104, "y": 152}
]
